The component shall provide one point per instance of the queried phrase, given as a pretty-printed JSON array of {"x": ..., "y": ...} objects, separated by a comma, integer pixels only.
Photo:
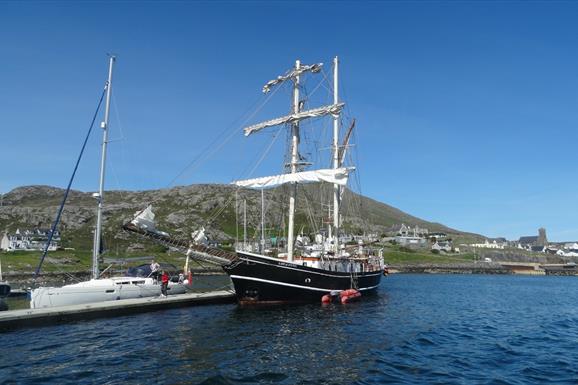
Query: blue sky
[{"x": 467, "y": 112}]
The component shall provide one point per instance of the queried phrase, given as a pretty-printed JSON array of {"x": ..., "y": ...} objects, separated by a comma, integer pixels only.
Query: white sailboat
[{"x": 100, "y": 289}]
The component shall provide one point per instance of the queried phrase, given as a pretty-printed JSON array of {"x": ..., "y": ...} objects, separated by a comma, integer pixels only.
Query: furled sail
[
  {"x": 332, "y": 175},
  {"x": 291, "y": 74},
  {"x": 333, "y": 109},
  {"x": 145, "y": 220}
]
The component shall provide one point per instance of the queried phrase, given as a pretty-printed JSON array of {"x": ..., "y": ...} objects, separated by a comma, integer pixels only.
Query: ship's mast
[
  {"x": 336, "y": 164},
  {"x": 100, "y": 195},
  {"x": 262, "y": 249},
  {"x": 335, "y": 175},
  {"x": 294, "y": 163},
  {"x": 244, "y": 224}
]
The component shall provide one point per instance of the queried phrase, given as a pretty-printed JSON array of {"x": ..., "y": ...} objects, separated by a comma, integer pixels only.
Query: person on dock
[
  {"x": 164, "y": 283},
  {"x": 155, "y": 270}
]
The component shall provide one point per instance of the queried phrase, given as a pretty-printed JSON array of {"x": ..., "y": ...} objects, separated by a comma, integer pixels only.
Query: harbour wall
[{"x": 451, "y": 268}]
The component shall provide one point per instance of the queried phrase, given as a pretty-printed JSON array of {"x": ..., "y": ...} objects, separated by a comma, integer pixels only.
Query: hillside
[{"x": 181, "y": 210}]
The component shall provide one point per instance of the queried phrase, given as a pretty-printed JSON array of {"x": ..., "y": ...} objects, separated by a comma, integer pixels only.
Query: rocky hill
[{"x": 181, "y": 210}]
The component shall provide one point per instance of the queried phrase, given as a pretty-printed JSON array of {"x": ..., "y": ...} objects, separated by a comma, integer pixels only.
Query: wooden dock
[{"x": 14, "y": 319}]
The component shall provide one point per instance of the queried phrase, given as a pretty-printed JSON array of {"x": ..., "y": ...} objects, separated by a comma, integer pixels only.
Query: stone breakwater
[{"x": 451, "y": 268}]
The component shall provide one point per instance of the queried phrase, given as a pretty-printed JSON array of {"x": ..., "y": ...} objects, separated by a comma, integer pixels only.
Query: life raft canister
[{"x": 350, "y": 295}]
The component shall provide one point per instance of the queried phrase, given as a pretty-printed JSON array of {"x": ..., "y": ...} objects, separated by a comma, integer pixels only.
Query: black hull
[{"x": 266, "y": 280}]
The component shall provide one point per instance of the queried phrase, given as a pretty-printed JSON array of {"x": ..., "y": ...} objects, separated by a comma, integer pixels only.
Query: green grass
[
  {"x": 27, "y": 261},
  {"x": 69, "y": 261},
  {"x": 400, "y": 258},
  {"x": 394, "y": 254}
]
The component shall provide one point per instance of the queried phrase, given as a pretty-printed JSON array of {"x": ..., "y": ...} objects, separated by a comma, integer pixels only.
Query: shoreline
[
  {"x": 449, "y": 268},
  {"x": 25, "y": 279}
]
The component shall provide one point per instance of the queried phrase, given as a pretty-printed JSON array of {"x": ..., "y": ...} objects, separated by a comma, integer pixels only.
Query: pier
[{"x": 14, "y": 319}]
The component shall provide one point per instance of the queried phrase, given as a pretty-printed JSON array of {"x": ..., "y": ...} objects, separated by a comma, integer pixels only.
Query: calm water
[{"x": 447, "y": 329}]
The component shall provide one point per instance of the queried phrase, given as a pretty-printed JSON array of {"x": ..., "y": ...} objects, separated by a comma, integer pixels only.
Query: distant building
[
  {"x": 366, "y": 238},
  {"x": 29, "y": 240},
  {"x": 410, "y": 241},
  {"x": 437, "y": 236},
  {"x": 407, "y": 231},
  {"x": 534, "y": 243},
  {"x": 569, "y": 249},
  {"x": 492, "y": 243},
  {"x": 442, "y": 246},
  {"x": 542, "y": 240}
]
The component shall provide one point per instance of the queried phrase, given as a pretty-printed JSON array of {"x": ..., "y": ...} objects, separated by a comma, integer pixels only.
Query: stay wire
[
  {"x": 59, "y": 214},
  {"x": 233, "y": 127}
]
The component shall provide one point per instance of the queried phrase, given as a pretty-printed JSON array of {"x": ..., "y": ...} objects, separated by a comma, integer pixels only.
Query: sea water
[{"x": 418, "y": 329}]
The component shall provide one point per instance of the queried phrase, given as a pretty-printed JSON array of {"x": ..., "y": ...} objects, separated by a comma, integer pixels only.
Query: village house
[
  {"x": 437, "y": 236},
  {"x": 407, "y": 231},
  {"x": 569, "y": 249},
  {"x": 492, "y": 243},
  {"x": 442, "y": 246},
  {"x": 408, "y": 236},
  {"x": 29, "y": 240},
  {"x": 410, "y": 241}
]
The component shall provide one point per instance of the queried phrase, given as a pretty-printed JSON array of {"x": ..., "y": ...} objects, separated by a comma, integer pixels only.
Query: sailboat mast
[
  {"x": 336, "y": 155},
  {"x": 294, "y": 163},
  {"x": 100, "y": 197}
]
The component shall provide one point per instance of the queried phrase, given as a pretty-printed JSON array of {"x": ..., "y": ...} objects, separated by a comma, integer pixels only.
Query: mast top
[{"x": 291, "y": 74}]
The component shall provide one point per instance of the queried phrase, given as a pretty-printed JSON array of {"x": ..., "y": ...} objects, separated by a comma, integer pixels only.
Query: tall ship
[{"x": 299, "y": 270}]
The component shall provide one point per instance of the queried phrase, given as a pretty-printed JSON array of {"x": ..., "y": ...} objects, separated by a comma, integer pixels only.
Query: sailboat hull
[
  {"x": 261, "y": 280},
  {"x": 99, "y": 290}
]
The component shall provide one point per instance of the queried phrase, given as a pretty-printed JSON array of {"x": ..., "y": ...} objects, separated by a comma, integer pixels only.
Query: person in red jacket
[{"x": 164, "y": 283}]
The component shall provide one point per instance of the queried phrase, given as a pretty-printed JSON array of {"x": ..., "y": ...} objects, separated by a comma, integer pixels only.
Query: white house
[
  {"x": 490, "y": 245},
  {"x": 29, "y": 240},
  {"x": 442, "y": 246},
  {"x": 408, "y": 240}
]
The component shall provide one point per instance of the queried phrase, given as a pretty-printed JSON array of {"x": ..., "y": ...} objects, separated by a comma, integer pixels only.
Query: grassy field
[
  {"x": 395, "y": 255},
  {"x": 69, "y": 261}
]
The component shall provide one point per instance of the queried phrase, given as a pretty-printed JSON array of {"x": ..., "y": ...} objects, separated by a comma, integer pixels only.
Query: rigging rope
[
  {"x": 57, "y": 220},
  {"x": 210, "y": 149},
  {"x": 205, "y": 154}
]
